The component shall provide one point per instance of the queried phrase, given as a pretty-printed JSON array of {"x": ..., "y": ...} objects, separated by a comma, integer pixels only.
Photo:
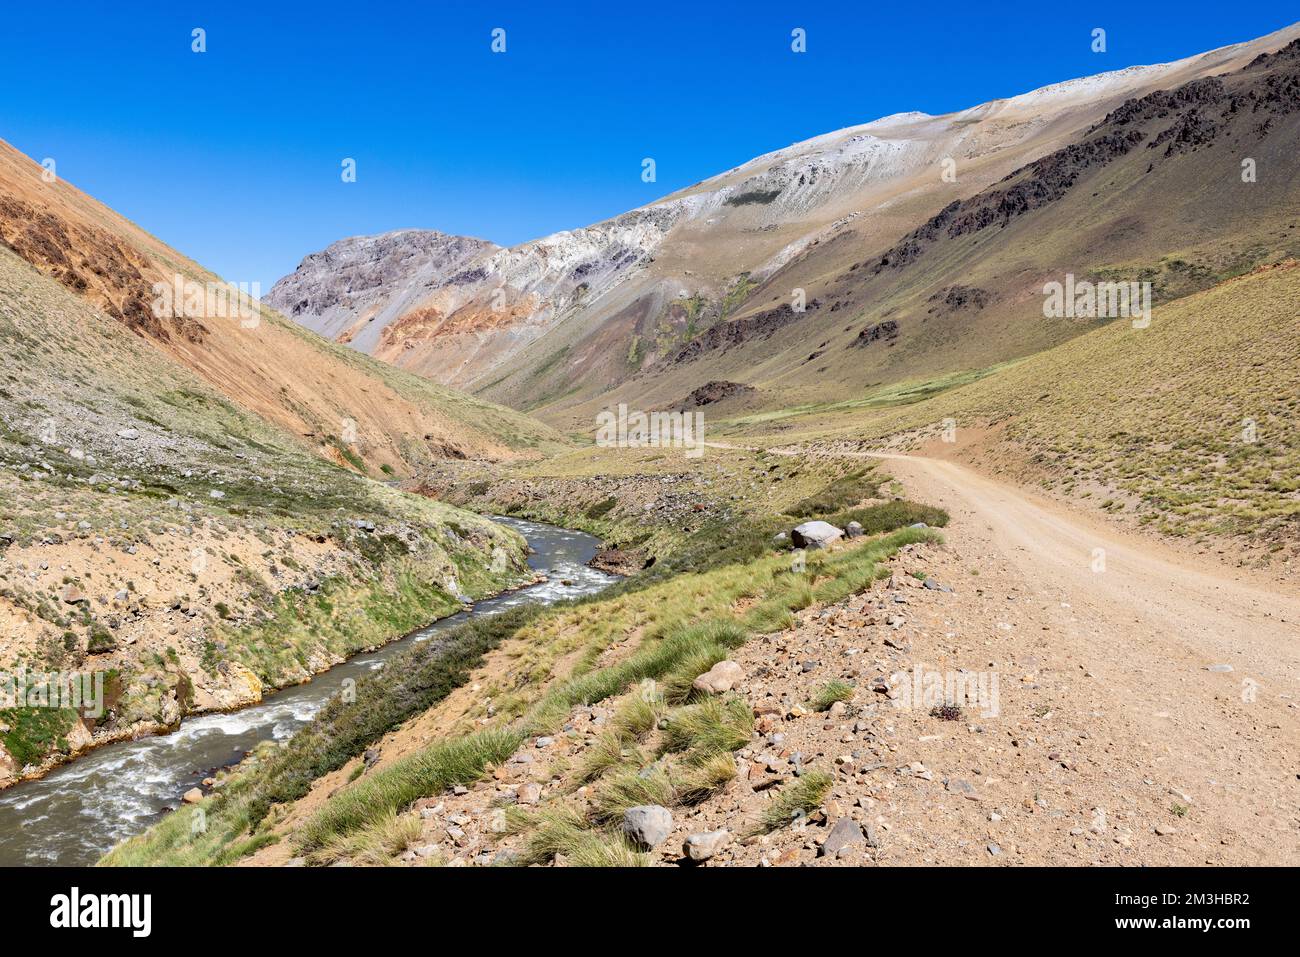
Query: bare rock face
[{"x": 370, "y": 279}]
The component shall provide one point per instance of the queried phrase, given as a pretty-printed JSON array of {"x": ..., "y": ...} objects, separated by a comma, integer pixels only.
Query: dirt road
[{"x": 1155, "y": 631}]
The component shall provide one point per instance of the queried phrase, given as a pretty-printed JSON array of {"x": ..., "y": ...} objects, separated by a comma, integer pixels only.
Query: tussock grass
[
  {"x": 700, "y": 778},
  {"x": 630, "y": 787},
  {"x": 376, "y": 844},
  {"x": 671, "y": 659},
  {"x": 831, "y": 692},
  {"x": 768, "y": 617},
  {"x": 638, "y": 715},
  {"x": 887, "y": 516},
  {"x": 795, "y": 800},
  {"x": 677, "y": 683},
  {"x": 712, "y": 726},
  {"x": 436, "y": 768},
  {"x": 635, "y": 718},
  {"x": 561, "y": 831},
  {"x": 608, "y": 751}
]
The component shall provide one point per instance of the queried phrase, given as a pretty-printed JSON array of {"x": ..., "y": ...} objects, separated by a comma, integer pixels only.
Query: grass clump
[
  {"x": 702, "y": 775},
  {"x": 630, "y": 787},
  {"x": 376, "y": 844},
  {"x": 436, "y": 768},
  {"x": 795, "y": 800},
  {"x": 887, "y": 516},
  {"x": 561, "y": 832},
  {"x": 831, "y": 692},
  {"x": 714, "y": 725},
  {"x": 635, "y": 718}
]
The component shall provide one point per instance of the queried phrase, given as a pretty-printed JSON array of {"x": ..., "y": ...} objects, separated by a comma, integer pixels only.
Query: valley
[{"x": 984, "y": 551}]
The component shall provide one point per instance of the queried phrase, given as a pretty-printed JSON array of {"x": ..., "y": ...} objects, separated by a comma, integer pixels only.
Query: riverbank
[
  {"x": 78, "y": 810},
  {"x": 212, "y": 615},
  {"x": 333, "y": 792}
]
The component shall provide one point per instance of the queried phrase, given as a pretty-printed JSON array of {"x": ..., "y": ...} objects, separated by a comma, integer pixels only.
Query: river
[{"x": 81, "y": 809}]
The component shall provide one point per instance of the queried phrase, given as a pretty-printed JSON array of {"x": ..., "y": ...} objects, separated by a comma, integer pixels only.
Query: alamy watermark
[
  {"x": 925, "y": 689},
  {"x": 82, "y": 691},
  {"x": 1098, "y": 300},
  {"x": 185, "y": 298},
  {"x": 626, "y": 429}
]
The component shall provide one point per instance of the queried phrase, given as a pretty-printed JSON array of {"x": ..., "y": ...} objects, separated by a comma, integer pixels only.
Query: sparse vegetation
[
  {"x": 797, "y": 799},
  {"x": 831, "y": 692}
]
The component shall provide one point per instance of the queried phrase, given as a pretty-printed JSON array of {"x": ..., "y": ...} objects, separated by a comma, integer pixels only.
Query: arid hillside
[
  {"x": 197, "y": 505},
  {"x": 1178, "y": 190},
  {"x": 702, "y": 285},
  {"x": 347, "y": 407}
]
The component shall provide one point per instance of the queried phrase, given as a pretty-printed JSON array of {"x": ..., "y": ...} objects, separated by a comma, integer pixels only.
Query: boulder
[
  {"x": 853, "y": 529},
  {"x": 815, "y": 535},
  {"x": 721, "y": 678},
  {"x": 72, "y": 595},
  {"x": 702, "y": 846},
  {"x": 648, "y": 825},
  {"x": 192, "y": 796},
  {"x": 845, "y": 833}
]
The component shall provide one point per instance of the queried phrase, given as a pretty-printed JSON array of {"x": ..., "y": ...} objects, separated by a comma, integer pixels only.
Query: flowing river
[{"x": 80, "y": 810}]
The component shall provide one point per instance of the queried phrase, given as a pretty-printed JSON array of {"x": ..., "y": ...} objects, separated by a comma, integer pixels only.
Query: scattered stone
[
  {"x": 1219, "y": 669},
  {"x": 529, "y": 793},
  {"x": 721, "y": 678},
  {"x": 1164, "y": 830},
  {"x": 648, "y": 825},
  {"x": 873, "y": 836},
  {"x": 704, "y": 845},
  {"x": 964, "y": 788},
  {"x": 816, "y": 535},
  {"x": 845, "y": 833}
]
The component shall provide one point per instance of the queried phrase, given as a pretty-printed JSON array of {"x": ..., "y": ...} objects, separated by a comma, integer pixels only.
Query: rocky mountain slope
[
  {"x": 191, "y": 507},
  {"x": 261, "y": 362},
  {"x": 1179, "y": 189},
  {"x": 551, "y": 324}
]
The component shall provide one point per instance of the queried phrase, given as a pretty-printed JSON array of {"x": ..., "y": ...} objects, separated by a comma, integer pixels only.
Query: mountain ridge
[{"x": 573, "y": 314}]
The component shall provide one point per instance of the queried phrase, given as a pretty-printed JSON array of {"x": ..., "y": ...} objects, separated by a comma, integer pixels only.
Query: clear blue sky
[{"x": 233, "y": 156}]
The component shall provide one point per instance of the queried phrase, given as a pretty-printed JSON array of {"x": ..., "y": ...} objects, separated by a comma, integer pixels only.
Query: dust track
[{"x": 1148, "y": 627}]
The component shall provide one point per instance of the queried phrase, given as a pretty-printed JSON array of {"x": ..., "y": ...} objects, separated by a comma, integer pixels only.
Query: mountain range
[{"x": 794, "y": 274}]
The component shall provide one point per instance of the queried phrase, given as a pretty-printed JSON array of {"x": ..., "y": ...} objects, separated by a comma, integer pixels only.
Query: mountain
[
  {"x": 264, "y": 364},
  {"x": 190, "y": 504},
  {"x": 553, "y": 325}
]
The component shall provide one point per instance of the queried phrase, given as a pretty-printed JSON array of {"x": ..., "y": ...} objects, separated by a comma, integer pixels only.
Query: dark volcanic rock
[
  {"x": 711, "y": 392},
  {"x": 887, "y": 330}
]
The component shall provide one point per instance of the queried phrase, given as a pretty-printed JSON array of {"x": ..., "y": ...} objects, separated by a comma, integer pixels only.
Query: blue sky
[{"x": 233, "y": 156}]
